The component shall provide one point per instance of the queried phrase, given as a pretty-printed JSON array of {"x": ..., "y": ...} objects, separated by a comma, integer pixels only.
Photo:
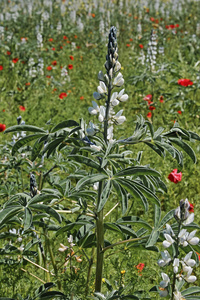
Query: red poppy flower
[
  {"x": 148, "y": 97},
  {"x": 141, "y": 46},
  {"x": 152, "y": 107},
  {"x": 62, "y": 95},
  {"x": 191, "y": 208},
  {"x": 3, "y": 110},
  {"x": 93, "y": 15},
  {"x": 2, "y": 127},
  {"x": 152, "y": 19},
  {"x": 54, "y": 63},
  {"x": 53, "y": 48},
  {"x": 70, "y": 67},
  {"x": 149, "y": 115},
  {"x": 161, "y": 99},
  {"x": 179, "y": 112},
  {"x": 28, "y": 83},
  {"x": 172, "y": 26},
  {"x": 81, "y": 98},
  {"x": 140, "y": 267},
  {"x": 177, "y": 25},
  {"x": 75, "y": 36},
  {"x": 65, "y": 37},
  {"x": 49, "y": 68},
  {"x": 8, "y": 53},
  {"x": 128, "y": 45},
  {"x": 50, "y": 40},
  {"x": 61, "y": 47},
  {"x": 15, "y": 60},
  {"x": 1, "y": 68},
  {"x": 198, "y": 255},
  {"x": 185, "y": 82},
  {"x": 71, "y": 57},
  {"x": 174, "y": 176},
  {"x": 130, "y": 40},
  {"x": 48, "y": 76},
  {"x": 22, "y": 108},
  {"x": 78, "y": 47}
]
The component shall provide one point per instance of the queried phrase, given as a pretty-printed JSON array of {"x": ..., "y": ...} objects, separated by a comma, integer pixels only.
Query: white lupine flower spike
[{"x": 182, "y": 266}]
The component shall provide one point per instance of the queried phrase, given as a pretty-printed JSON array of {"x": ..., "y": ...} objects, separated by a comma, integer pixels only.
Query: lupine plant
[
  {"x": 101, "y": 176},
  {"x": 182, "y": 246}
]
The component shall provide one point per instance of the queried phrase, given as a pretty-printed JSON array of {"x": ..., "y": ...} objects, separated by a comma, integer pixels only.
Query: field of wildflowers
[{"x": 99, "y": 156}]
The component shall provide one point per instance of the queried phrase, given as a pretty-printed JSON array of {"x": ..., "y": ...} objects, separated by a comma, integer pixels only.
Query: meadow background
[{"x": 50, "y": 56}]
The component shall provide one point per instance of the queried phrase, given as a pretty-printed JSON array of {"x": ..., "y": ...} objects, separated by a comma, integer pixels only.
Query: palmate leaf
[
  {"x": 136, "y": 171},
  {"x": 24, "y": 128},
  {"x": 153, "y": 238},
  {"x": 86, "y": 161},
  {"x": 7, "y": 213},
  {"x": 49, "y": 210},
  {"x": 191, "y": 290},
  {"x": 53, "y": 144},
  {"x": 185, "y": 147},
  {"x": 132, "y": 220},
  {"x": 90, "y": 179},
  {"x": 23, "y": 141},
  {"x": 52, "y": 295},
  {"x": 65, "y": 124},
  {"x": 75, "y": 226},
  {"x": 37, "y": 147},
  {"x": 122, "y": 194},
  {"x": 42, "y": 198},
  {"x": 134, "y": 191},
  {"x": 27, "y": 218},
  {"x": 104, "y": 195}
]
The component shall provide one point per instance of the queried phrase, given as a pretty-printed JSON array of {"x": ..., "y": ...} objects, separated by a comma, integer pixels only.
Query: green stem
[
  {"x": 89, "y": 271},
  {"x": 100, "y": 243},
  {"x": 123, "y": 242}
]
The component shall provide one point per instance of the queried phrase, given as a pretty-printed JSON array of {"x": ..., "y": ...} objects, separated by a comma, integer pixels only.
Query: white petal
[{"x": 191, "y": 279}]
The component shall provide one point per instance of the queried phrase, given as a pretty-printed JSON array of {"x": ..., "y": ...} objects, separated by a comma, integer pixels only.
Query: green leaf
[
  {"x": 52, "y": 294},
  {"x": 37, "y": 147},
  {"x": 132, "y": 220},
  {"x": 158, "y": 132},
  {"x": 157, "y": 215},
  {"x": 146, "y": 191},
  {"x": 156, "y": 149},
  {"x": 150, "y": 128},
  {"x": 65, "y": 124},
  {"x": 7, "y": 213},
  {"x": 30, "y": 244},
  {"x": 76, "y": 225},
  {"x": 166, "y": 218},
  {"x": 27, "y": 218},
  {"x": 185, "y": 147},
  {"x": 153, "y": 238},
  {"x": 191, "y": 290},
  {"x": 122, "y": 194},
  {"x": 104, "y": 196},
  {"x": 24, "y": 128},
  {"x": 49, "y": 210},
  {"x": 52, "y": 145},
  {"x": 42, "y": 198},
  {"x": 137, "y": 170},
  {"x": 90, "y": 179},
  {"x": 23, "y": 141},
  {"x": 167, "y": 147},
  {"x": 134, "y": 191},
  {"x": 86, "y": 161}
]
